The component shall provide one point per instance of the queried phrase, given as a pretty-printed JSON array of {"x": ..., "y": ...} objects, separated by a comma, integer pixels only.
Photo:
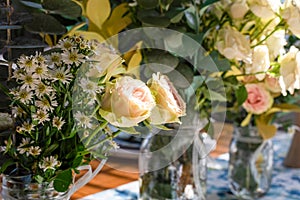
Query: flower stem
[{"x": 99, "y": 128}]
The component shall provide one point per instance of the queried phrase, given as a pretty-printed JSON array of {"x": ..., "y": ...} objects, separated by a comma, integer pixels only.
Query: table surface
[{"x": 285, "y": 181}]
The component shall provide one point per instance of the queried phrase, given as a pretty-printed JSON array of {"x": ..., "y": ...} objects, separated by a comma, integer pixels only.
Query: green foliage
[{"x": 63, "y": 180}]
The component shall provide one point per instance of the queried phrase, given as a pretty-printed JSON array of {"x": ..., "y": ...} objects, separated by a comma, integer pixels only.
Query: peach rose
[
  {"x": 126, "y": 102},
  {"x": 259, "y": 99},
  {"x": 169, "y": 105},
  {"x": 233, "y": 45},
  {"x": 272, "y": 84}
]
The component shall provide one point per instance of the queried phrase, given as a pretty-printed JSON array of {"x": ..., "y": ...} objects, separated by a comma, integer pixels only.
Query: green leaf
[
  {"x": 32, "y": 4},
  {"x": 77, "y": 161},
  {"x": 222, "y": 64},
  {"x": 6, "y": 164},
  {"x": 214, "y": 96},
  {"x": 63, "y": 180},
  {"x": 241, "y": 94},
  {"x": 182, "y": 76},
  {"x": 159, "y": 61},
  {"x": 157, "y": 21},
  {"x": 148, "y": 4},
  {"x": 208, "y": 2},
  {"x": 43, "y": 23},
  {"x": 191, "y": 20},
  {"x": 65, "y": 8},
  {"x": 51, "y": 148}
]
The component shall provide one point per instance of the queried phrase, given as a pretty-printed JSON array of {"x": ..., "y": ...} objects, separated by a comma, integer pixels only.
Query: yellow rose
[
  {"x": 264, "y": 9},
  {"x": 126, "y": 102},
  {"x": 169, "y": 105}
]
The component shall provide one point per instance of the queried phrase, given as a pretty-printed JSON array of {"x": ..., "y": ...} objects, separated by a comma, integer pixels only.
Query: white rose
[
  {"x": 264, "y": 9},
  {"x": 105, "y": 60},
  {"x": 169, "y": 105},
  {"x": 291, "y": 14},
  {"x": 289, "y": 79},
  {"x": 276, "y": 43},
  {"x": 238, "y": 9},
  {"x": 260, "y": 62},
  {"x": 233, "y": 45},
  {"x": 126, "y": 102}
]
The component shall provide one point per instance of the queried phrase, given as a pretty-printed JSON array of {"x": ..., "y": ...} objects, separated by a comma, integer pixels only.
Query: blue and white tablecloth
[{"x": 285, "y": 181}]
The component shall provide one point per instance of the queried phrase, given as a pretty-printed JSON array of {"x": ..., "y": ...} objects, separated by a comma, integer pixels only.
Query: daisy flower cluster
[{"x": 46, "y": 142}]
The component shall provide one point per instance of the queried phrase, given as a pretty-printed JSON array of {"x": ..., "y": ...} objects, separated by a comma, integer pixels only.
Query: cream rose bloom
[
  {"x": 126, "y": 102},
  {"x": 264, "y": 9},
  {"x": 289, "y": 79},
  {"x": 104, "y": 60},
  {"x": 238, "y": 9},
  {"x": 169, "y": 105},
  {"x": 259, "y": 99},
  {"x": 291, "y": 14},
  {"x": 276, "y": 43},
  {"x": 260, "y": 62},
  {"x": 272, "y": 84},
  {"x": 233, "y": 45}
]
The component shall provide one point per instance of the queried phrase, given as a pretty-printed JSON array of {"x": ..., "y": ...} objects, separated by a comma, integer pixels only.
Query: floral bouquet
[
  {"x": 253, "y": 35},
  {"x": 71, "y": 101}
]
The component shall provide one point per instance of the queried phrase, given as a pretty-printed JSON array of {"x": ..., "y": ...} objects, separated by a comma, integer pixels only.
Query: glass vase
[
  {"x": 173, "y": 166},
  {"x": 250, "y": 163},
  {"x": 16, "y": 187}
]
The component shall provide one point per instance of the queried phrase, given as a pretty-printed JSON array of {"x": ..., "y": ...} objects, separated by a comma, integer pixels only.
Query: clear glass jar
[
  {"x": 250, "y": 163},
  {"x": 21, "y": 187},
  {"x": 173, "y": 166}
]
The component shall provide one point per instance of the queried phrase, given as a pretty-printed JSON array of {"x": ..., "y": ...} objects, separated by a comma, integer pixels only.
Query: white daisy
[
  {"x": 24, "y": 96},
  {"x": 62, "y": 75},
  {"x": 17, "y": 111},
  {"x": 58, "y": 122},
  {"x": 41, "y": 71},
  {"x": 83, "y": 120},
  {"x": 88, "y": 86},
  {"x": 29, "y": 81},
  {"x": 53, "y": 59},
  {"x": 35, "y": 151},
  {"x": 46, "y": 104},
  {"x": 73, "y": 56},
  {"x": 26, "y": 127},
  {"x": 28, "y": 63},
  {"x": 66, "y": 43},
  {"x": 41, "y": 116},
  {"x": 17, "y": 74},
  {"x": 114, "y": 144},
  {"x": 42, "y": 89},
  {"x": 39, "y": 57},
  {"x": 23, "y": 148},
  {"x": 50, "y": 162}
]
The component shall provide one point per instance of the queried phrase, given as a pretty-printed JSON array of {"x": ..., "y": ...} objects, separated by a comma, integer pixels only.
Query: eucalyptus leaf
[
  {"x": 32, "y": 4},
  {"x": 222, "y": 63},
  {"x": 148, "y": 4},
  {"x": 43, "y": 23},
  {"x": 157, "y": 21},
  {"x": 182, "y": 76},
  {"x": 163, "y": 62},
  {"x": 66, "y": 8}
]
